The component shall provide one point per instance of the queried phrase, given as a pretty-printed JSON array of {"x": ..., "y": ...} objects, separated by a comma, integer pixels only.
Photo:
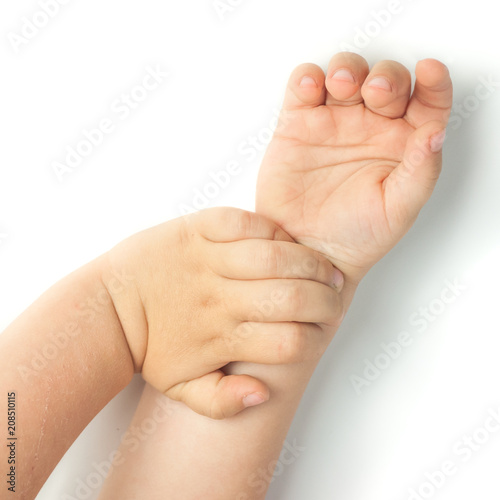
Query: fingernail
[
  {"x": 343, "y": 75},
  {"x": 380, "y": 82},
  {"x": 308, "y": 81},
  {"x": 254, "y": 399},
  {"x": 437, "y": 140},
  {"x": 338, "y": 279}
]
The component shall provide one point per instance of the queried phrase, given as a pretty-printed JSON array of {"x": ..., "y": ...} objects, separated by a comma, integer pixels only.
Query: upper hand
[{"x": 351, "y": 164}]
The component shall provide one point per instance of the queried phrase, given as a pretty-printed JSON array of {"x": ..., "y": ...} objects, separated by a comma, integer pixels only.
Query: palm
[{"x": 326, "y": 179}]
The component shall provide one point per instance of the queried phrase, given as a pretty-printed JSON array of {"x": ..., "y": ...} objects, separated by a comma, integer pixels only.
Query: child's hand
[
  {"x": 219, "y": 286},
  {"x": 350, "y": 166}
]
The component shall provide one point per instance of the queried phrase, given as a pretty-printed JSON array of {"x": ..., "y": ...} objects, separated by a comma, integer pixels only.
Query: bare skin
[
  {"x": 351, "y": 164},
  {"x": 175, "y": 303},
  {"x": 347, "y": 172},
  {"x": 190, "y": 308}
]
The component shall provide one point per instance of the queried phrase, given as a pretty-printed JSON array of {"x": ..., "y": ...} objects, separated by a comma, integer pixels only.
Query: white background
[{"x": 227, "y": 78}]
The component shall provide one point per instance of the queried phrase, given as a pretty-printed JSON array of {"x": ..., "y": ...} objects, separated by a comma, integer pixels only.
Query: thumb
[
  {"x": 410, "y": 184},
  {"x": 217, "y": 395}
]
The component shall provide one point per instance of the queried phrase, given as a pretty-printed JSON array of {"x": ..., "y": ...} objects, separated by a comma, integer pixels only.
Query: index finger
[
  {"x": 224, "y": 224},
  {"x": 259, "y": 260}
]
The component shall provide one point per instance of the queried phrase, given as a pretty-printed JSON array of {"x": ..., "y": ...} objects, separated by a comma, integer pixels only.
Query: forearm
[
  {"x": 64, "y": 358},
  {"x": 231, "y": 459},
  {"x": 189, "y": 457}
]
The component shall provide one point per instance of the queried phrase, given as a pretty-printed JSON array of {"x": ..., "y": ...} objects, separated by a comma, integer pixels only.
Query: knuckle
[
  {"x": 244, "y": 221},
  {"x": 296, "y": 296},
  {"x": 309, "y": 266},
  {"x": 273, "y": 257},
  {"x": 324, "y": 269},
  {"x": 315, "y": 266}
]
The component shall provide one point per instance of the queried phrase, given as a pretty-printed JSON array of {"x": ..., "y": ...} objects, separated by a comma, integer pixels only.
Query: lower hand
[{"x": 219, "y": 286}]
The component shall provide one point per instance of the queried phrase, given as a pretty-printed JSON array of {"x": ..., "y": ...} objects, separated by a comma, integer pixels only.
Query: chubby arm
[
  {"x": 174, "y": 303},
  {"x": 61, "y": 362}
]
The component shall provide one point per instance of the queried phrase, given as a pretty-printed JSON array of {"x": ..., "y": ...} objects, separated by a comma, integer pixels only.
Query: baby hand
[
  {"x": 219, "y": 286},
  {"x": 355, "y": 156}
]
